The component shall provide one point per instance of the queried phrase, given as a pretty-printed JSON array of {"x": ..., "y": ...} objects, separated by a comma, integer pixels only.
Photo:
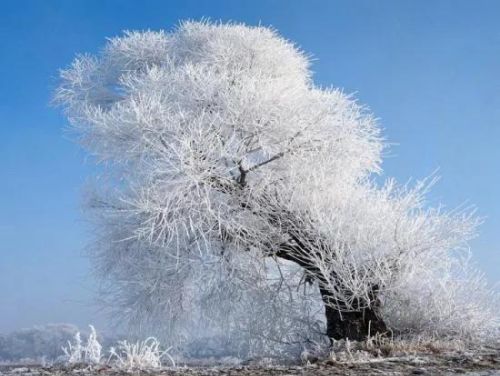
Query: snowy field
[{"x": 485, "y": 363}]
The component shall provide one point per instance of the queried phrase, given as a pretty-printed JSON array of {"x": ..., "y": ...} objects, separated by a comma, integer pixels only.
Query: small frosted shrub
[
  {"x": 92, "y": 351},
  {"x": 145, "y": 354},
  {"x": 89, "y": 353},
  {"x": 139, "y": 355},
  {"x": 74, "y": 350}
]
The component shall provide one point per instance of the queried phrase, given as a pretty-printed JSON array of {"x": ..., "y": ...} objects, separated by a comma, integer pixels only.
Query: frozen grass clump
[
  {"x": 145, "y": 354},
  {"x": 78, "y": 352},
  {"x": 126, "y": 355}
]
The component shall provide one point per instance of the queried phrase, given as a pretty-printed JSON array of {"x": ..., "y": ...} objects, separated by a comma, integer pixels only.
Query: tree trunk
[
  {"x": 354, "y": 325},
  {"x": 341, "y": 323}
]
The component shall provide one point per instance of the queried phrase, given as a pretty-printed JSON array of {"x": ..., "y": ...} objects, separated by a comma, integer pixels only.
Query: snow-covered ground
[{"x": 486, "y": 362}]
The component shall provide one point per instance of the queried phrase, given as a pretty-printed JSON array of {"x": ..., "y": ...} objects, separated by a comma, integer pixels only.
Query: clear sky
[{"x": 428, "y": 69}]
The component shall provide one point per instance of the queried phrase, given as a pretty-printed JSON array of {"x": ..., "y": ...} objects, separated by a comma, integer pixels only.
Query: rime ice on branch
[{"x": 229, "y": 172}]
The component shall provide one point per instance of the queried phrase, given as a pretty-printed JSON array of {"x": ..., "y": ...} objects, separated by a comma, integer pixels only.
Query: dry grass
[{"x": 380, "y": 347}]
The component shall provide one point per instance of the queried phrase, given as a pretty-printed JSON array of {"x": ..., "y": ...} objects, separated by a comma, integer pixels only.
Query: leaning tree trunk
[
  {"x": 355, "y": 325},
  {"x": 341, "y": 322}
]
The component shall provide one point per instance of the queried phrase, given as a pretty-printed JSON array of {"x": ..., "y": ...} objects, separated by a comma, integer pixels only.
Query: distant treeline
[{"x": 38, "y": 344}]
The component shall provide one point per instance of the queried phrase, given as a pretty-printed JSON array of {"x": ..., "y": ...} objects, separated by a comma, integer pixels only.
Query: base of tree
[{"x": 356, "y": 326}]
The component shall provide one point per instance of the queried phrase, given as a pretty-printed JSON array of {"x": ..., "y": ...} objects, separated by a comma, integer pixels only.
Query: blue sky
[{"x": 427, "y": 69}]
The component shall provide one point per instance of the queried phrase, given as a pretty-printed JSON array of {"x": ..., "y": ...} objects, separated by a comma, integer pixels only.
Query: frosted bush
[
  {"x": 139, "y": 355},
  {"x": 90, "y": 352},
  {"x": 74, "y": 351},
  {"x": 127, "y": 355}
]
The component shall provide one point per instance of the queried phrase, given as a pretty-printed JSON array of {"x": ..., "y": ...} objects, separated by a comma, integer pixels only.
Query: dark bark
[
  {"x": 341, "y": 323},
  {"x": 354, "y": 325}
]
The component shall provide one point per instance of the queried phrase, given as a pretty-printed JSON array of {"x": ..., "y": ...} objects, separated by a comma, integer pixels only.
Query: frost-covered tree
[{"x": 233, "y": 183}]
